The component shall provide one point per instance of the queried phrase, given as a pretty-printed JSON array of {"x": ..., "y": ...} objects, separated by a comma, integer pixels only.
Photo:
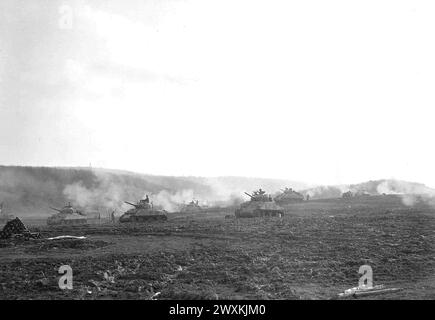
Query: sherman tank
[
  {"x": 191, "y": 207},
  {"x": 288, "y": 196},
  {"x": 68, "y": 215},
  {"x": 143, "y": 211},
  {"x": 194, "y": 207},
  {"x": 260, "y": 205}
]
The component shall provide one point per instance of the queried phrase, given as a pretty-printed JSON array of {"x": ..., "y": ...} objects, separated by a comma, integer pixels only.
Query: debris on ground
[
  {"x": 362, "y": 291},
  {"x": 306, "y": 255},
  {"x": 155, "y": 295},
  {"x": 66, "y": 237},
  {"x": 16, "y": 229},
  {"x": 108, "y": 277}
]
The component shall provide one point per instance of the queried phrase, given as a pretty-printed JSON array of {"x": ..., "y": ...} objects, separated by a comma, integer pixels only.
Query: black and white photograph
[{"x": 228, "y": 151}]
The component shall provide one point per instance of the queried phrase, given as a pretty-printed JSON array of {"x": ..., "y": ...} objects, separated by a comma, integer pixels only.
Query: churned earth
[{"x": 313, "y": 252}]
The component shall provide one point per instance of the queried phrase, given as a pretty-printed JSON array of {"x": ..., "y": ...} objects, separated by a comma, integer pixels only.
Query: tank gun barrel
[
  {"x": 58, "y": 210},
  {"x": 132, "y": 204},
  {"x": 248, "y": 194}
]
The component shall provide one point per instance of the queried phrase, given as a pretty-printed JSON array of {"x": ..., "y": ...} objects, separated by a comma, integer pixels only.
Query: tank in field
[
  {"x": 347, "y": 195},
  {"x": 191, "y": 207},
  {"x": 194, "y": 207},
  {"x": 260, "y": 205},
  {"x": 288, "y": 196},
  {"x": 143, "y": 211},
  {"x": 68, "y": 215}
]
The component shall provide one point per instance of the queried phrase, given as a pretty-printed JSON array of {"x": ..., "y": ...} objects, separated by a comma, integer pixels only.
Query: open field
[{"x": 314, "y": 252}]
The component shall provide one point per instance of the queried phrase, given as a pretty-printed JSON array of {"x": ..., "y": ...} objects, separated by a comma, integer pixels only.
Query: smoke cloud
[
  {"x": 109, "y": 191},
  {"x": 32, "y": 190},
  {"x": 170, "y": 201},
  {"x": 105, "y": 194},
  {"x": 411, "y": 193}
]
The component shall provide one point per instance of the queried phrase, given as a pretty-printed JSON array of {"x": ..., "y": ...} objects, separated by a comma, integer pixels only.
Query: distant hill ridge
[
  {"x": 31, "y": 190},
  {"x": 372, "y": 187}
]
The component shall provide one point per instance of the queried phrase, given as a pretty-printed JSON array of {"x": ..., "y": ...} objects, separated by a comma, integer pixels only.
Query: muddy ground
[{"x": 314, "y": 252}]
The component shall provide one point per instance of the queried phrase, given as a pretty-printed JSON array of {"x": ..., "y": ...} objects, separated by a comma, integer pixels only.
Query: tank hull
[
  {"x": 142, "y": 216},
  {"x": 142, "y": 219}
]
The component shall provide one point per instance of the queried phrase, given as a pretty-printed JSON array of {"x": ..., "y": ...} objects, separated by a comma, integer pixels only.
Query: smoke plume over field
[
  {"x": 32, "y": 190},
  {"x": 410, "y": 192},
  {"x": 104, "y": 194},
  {"x": 171, "y": 201}
]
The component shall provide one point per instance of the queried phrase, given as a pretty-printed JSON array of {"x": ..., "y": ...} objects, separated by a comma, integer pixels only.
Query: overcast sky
[{"x": 316, "y": 91}]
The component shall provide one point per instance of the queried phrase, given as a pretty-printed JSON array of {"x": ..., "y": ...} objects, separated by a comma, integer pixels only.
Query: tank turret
[
  {"x": 289, "y": 196},
  {"x": 192, "y": 207}
]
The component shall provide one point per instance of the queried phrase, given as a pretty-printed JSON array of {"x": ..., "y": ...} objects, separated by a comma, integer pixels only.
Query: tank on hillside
[
  {"x": 288, "y": 196},
  {"x": 260, "y": 205},
  {"x": 143, "y": 211},
  {"x": 68, "y": 215}
]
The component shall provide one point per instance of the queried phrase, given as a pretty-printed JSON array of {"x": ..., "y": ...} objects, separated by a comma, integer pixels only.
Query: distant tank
[
  {"x": 288, "y": 196},
  {"x": 68, "y": 215},
  {"x": 194, "y": 207},
  {"x": 191, "y": 207},
  {"x": 143, "y": 211},
  {"x": 347, "y": 195},
  {"x": 260, "y": 205}
]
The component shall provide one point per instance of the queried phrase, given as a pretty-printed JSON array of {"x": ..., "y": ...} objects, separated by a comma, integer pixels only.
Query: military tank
[
  {"x": 347, "y": 195},
  {"x": 143, "y": 211},
  {"x": 68, "y": 215},
  {"x": 191, "y": 207},
  {"x": 194, "y": 207},
  {"x": 260, "y": 205},
  {"x": 288, "y": 196}
]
